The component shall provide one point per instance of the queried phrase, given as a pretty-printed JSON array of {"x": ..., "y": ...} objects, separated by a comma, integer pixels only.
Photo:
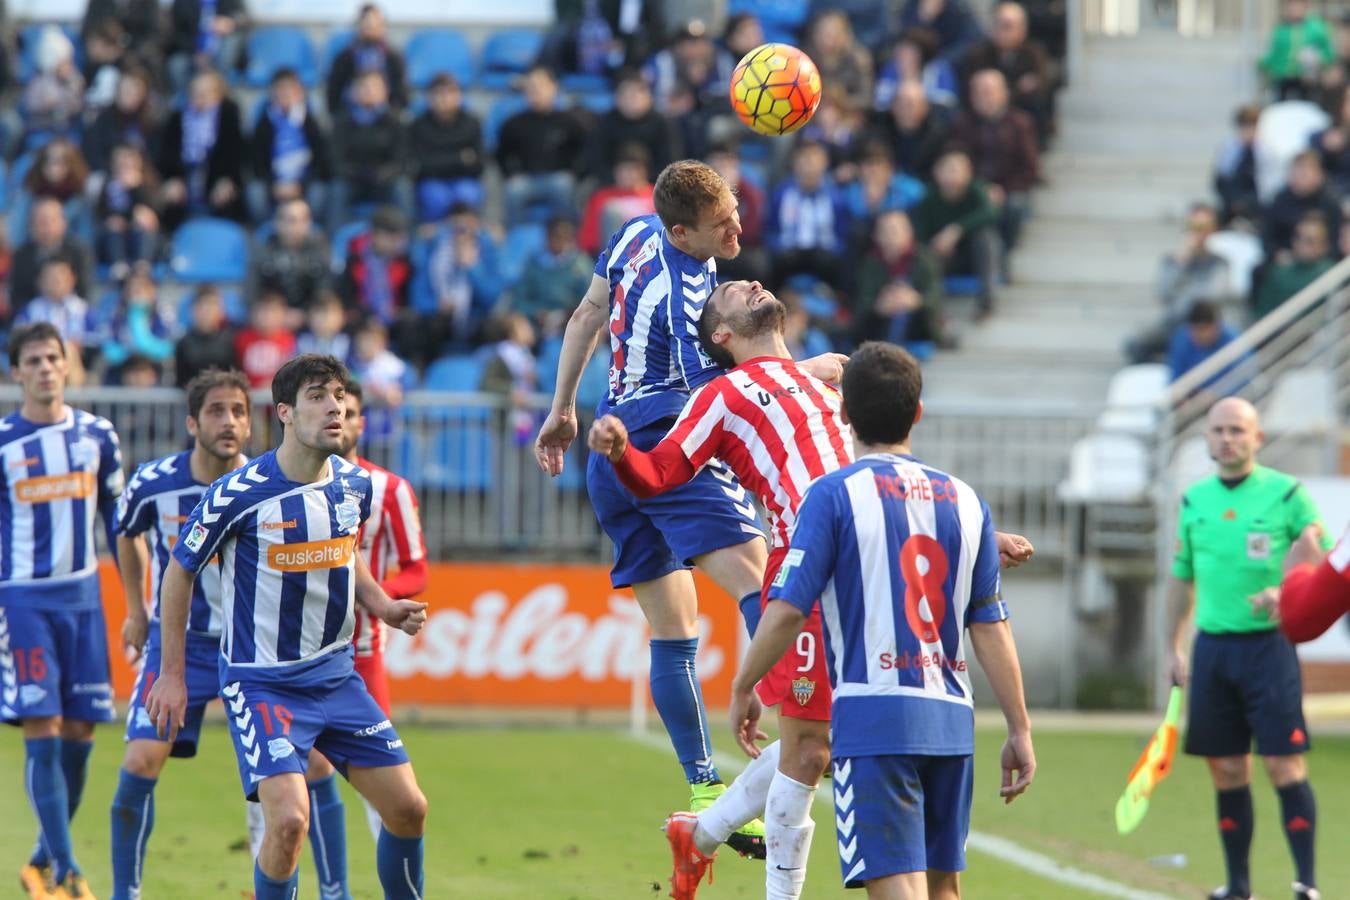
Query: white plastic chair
[
  {"x": 1303, "y": 401},
  {"x": 1243, "y": 253},
  {"x": 1282, "y": 133},
  {"x": 1132, "y": 399},
  {"x": 1106, "y": 468}
]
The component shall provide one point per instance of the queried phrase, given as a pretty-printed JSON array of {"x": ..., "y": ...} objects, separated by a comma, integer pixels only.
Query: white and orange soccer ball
[{"x": 775, "y": 89}]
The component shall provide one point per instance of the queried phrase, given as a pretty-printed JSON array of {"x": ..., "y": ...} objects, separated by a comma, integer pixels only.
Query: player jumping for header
[
  {"x": 649, "y": 288},
  {"x": 778, "y": 429}
]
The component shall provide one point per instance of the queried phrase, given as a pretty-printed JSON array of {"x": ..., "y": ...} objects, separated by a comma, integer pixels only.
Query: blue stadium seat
[
  {"x": 273, "y": 47},
  {"x": 582, "y": 83},
  {"x": 962, "y": 285},
  {"x": 28, "y": 44},
  {"x": 341, "y": 238},
  {"x": 461, "y": 453},
  {"x": 498, "y": 113},
  {"x": 434, "y": 50},
  {"x": 337, "y": 42},
  {"x": 597, "y": 102},
  {"x": 209, "y": 250},
  {"x": 546, "y": 363},
  {"x": 522, "y": 242},
  {"x": 461, "y": 372},
  {"x": 594, "y": 384},
  {"x": 506, "y": 54},
  {"x": 778, "y": 17}
]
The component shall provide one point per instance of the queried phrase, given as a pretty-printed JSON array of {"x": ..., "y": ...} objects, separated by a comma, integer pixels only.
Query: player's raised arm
[
  {"x": 647, "y": 473},
  {"x": 583, "y": 333}
]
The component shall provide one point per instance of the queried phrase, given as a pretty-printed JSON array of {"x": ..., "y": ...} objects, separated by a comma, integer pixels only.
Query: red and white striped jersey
[
  {"x": 390, "y": 539},
  {"x": 776, "y": 427}
]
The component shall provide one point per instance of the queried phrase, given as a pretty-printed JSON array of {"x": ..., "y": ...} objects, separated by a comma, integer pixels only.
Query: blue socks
[
  {"x": 399, "y": 864},
  {"x": 46, "y": 787},
  {"x": 265, "y": 888},
  {"x": 328, "y": 838},
  {"x": 1298, "y": 809},
  {"x": 750, "y": 611},
  {"x": 679, "y": 701},
  {"x": 74, "y": 766},
  {"x": 133, "y": 818}
]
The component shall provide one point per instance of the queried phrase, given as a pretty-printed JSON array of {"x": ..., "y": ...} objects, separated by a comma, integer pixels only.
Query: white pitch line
[{"x": 1001, "y": 848}]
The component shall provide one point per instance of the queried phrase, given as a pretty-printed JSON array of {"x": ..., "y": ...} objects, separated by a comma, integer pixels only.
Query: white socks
[
  {"x": 256, "y": 826},
  {"x": 373, "y": 820},
  {"x": 744, "y": 800},
  {"x": 787, "y": 837}
]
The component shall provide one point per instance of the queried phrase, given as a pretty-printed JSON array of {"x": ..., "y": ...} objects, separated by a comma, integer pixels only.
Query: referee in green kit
[{"x": 1245, "y": 684}]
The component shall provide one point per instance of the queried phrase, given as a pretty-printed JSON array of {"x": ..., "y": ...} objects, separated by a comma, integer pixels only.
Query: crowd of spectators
[
  {"x": 478, "y": 234},
  {"x": 1262, "y": 239}
]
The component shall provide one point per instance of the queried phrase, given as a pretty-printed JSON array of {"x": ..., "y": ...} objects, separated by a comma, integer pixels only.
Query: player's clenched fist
[
  {"x": 406, "y": 615},
  {"x": 609, "y": 436}
]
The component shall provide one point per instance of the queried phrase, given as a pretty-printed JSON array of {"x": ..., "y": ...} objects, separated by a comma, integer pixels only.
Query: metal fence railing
[{"x": 470, "y": 459}]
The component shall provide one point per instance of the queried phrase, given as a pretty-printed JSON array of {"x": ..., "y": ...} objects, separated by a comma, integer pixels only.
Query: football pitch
[{"x": 563, "y": 813}]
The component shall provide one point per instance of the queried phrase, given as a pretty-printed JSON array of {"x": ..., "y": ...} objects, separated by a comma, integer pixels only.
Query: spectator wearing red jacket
[
  {"x": 627, "y": 197},
  {"x": 265, "y": 345}
]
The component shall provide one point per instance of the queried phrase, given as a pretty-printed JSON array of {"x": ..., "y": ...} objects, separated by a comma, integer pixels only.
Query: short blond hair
[{"x": 685, "y": 190}]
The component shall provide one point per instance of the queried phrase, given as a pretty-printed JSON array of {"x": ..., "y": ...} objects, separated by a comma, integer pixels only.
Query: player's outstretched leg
[
  {"x": 133, "y": 813},
  {"x": 327, "y": 829},
  {"x": 285, "y": 805},
  {"x": 403, "y": 810}
]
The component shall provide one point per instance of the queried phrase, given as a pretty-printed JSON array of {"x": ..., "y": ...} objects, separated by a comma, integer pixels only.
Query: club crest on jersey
[
  {"x": 280, "y": 748},
  {"x": 348, "y": 515},
  {"x": 803, "y": 689},
  {"x": 84, "y": 455},
  {"x": 196, "y": 537}
]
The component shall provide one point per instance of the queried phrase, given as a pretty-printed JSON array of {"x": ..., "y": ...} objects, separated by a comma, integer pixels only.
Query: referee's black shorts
[{"x": 1245, "y": 686}]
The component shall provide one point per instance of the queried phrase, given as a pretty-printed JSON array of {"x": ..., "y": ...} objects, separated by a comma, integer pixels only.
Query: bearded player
[
  {"x": 156, "y": 502},
  {"x": 778, "y": 429}
]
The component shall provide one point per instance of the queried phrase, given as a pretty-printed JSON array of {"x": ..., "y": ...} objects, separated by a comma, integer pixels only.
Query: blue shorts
[
  {"x": 660, "y": 535},
  {"x": 274, "y": 727},
  {"x": 898, "y": 814},
  {"x": 1245, "y": 686},
  {"x": 203, "y": 686},
  {"x": 54, "y": 664}
]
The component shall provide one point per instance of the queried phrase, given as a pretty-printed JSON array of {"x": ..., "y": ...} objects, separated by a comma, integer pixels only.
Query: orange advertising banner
[{"x": 521, "y": 635}]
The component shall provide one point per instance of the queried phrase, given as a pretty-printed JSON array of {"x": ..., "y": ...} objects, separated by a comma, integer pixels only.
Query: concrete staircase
[{"x": 1138, "y": 131}]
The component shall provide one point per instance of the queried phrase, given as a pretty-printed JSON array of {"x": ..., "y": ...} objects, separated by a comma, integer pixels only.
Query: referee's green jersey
[{"x": 1231, "y": 541}]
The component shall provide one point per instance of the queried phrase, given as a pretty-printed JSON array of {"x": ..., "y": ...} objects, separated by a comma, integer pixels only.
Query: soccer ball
[{"x": 775, "y": 89}]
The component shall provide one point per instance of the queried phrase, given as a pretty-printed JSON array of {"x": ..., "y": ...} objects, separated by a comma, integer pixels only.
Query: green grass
[{"x": 561, "y": 813}]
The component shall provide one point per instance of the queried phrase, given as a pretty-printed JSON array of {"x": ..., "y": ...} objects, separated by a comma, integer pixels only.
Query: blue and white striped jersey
[
  {"x": 287, "y": 562},
  {"x": 55, "y": 481},
  {"x": 903, "y": 558},
  {"x": 657, "y": 292},
  {"x": 158, "y": 500}
]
